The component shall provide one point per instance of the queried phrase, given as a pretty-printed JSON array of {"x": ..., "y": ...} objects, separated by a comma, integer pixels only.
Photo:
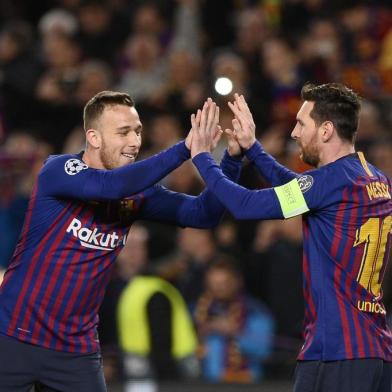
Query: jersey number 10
[{"x": 374, "y": 233}]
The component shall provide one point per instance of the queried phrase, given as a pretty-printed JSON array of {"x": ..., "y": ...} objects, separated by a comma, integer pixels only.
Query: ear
[
  {"x": 94, "y": 138},
  {"x": 327, "y": 131}
]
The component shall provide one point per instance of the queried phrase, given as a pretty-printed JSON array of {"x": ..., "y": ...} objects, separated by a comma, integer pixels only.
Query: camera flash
[{"x": 223, "y": 86}]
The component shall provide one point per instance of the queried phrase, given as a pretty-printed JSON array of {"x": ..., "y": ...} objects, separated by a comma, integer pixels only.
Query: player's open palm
[
  {"x": 243, "y": 123},
  {"x": 233, "y": 147},
  {"x": 205, "y": 130}
]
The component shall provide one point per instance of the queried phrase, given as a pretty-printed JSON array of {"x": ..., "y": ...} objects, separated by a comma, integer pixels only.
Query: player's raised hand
[
  {"x": 188, "y": 139},
  {"x": 233, "y": 147},
  {"x": 205, "y": 130},
  {"x": 217, "y": 136},
  {"x": 243, "y": 124}
]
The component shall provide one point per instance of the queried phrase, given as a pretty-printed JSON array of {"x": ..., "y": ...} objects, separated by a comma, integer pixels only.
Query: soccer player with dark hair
[
  {"x": 80, "y": 212},
  {"x": 347, "y": 219}
]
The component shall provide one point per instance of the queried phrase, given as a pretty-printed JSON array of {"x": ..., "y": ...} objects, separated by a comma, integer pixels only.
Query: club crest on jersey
[
  {"x": 74, "y": 166},
  {"x": 93, "y": 239},
  {"x": 305, "y": 183}
]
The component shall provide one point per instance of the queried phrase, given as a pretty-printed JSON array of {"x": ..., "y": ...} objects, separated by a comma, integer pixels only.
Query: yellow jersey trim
[{"x": 364, "y": 164}]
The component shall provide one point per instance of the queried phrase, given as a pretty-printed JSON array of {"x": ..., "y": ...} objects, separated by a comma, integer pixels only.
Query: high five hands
[
  {"x": 206, "y": 131},
  {"x": 244, "y": 128}
]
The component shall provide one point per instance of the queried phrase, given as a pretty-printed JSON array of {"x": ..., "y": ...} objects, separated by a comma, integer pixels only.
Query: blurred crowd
[{"x": 242, "y": 281}]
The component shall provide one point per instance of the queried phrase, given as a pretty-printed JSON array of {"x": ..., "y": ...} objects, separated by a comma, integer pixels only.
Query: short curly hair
[
  {"x": 97, "y": 104},
  {"x": 337, "y": 103}
]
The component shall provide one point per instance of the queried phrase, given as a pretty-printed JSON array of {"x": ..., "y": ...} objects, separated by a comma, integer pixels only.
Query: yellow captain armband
[{"x": 291, "y": 199}]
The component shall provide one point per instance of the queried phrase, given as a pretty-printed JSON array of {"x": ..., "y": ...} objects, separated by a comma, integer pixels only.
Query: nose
[
  {"x": 134, "y": 140},
  {"x": 294, "y": 133}
]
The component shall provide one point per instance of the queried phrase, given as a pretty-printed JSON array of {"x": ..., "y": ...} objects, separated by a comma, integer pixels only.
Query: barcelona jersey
[
  {"x": 76, "y": 224},
  {"x": 347, "y": 220}
]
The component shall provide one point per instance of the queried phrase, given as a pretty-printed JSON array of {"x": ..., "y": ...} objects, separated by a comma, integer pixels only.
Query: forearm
[
  {"x": 268, "y": 167},
  {"x": 134, "y": 178},
  {"x": 231, "y": 166},
  {"x": 241, "y": 202},
  {"x": 207, "y": 209},
  {"x": 203, "y": 211}
]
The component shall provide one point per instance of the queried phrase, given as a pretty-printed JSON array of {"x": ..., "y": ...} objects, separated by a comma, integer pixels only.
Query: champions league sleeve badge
[
  {"x": 305, "y": 183},
  {"x": 74, "y": 166}
]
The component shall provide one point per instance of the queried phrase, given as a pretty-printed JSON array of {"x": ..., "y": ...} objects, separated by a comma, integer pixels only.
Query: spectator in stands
[
  {"x": 187, "y": 265},
  {"x": 131, "y": 261},
  {"x": 57, "y": 86},
  {"x": 102, "y": 30},
  {"x": 21, "y": 157},
  {"x": 277, "y": 247},
  {"x": 147, "y": 70},
  {"x": 94, "y": 76},
  {"x": 19, "y": 72},
  {"x": 235, "y": 331},
  {"x": 156, "y": 334}
]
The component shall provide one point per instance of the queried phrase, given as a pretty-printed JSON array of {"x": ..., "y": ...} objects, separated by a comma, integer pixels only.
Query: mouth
[{"x": 130, "y": 157}]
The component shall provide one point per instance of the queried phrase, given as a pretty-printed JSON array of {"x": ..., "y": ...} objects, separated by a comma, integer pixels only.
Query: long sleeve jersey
[
  {"x": 76, "y": 224},
  {"x": 347, "y": 220}
]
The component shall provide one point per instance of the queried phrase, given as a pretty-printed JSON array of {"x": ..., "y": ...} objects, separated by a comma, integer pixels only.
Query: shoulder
[
  {"x": 334, "y": 175},
  {"x": 69, "y": 164},
  {"x": 379, "y": 173},
  {"x": 313, "y": 179}
]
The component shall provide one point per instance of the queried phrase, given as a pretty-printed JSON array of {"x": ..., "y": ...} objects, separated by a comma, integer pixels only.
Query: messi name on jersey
[{"x": 378, "y": 190}]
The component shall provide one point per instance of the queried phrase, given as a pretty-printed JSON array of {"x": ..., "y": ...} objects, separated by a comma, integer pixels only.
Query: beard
[
  {"x": 107, "y": 158},
  {"x": 311, "y": 154}
]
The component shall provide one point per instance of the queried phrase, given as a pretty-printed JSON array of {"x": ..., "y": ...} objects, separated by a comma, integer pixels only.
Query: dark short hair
[
  {"x": 96, "y": 105},
  {"x": 224, "y": 263},
  {"x": 337, "y": 103}
]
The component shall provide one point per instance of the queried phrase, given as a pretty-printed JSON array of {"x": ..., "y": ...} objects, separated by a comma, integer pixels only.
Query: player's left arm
[
  {"x": 268, "y": 166},
  {"x": 203, "y": 211},
  {"x": 281, "y": 202},
  {"x": 245, "y": 131}
]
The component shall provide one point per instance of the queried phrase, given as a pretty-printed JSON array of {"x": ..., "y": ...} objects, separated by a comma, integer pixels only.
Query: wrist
[
  {"x": 248, "y": 144},
  {"x": 194, "y": 153},
  {"x": 184, "y": 151},
  {"x": 235, "y": 154},
  {"x": 254, "y": 151}
]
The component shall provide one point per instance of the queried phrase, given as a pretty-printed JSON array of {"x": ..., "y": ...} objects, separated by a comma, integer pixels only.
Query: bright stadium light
[{"x": 223, "y": 86}]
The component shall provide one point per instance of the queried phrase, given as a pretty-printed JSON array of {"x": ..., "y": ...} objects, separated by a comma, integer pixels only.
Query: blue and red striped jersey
[
  {"x": 76, "y": 224},
  {"x": 347, "y": 223}
]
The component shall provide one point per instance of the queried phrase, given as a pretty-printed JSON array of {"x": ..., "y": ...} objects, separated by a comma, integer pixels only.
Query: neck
[
  {"x": 91, "y": 159},
  {"x": 335, "y": 151}
]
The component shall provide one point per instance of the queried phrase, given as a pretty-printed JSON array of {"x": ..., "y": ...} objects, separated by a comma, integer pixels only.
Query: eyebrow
[{"x": 129, "y": 128}]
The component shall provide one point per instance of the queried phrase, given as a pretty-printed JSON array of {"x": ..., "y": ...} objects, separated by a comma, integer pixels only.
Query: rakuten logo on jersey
[{"x": 94, "y": 239}]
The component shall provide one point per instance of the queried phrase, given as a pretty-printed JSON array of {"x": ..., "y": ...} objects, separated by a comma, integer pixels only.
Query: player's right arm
[
  {"x": 66, "y": 176},
  {"x": 202, "y": 211},
  {"x": 275, "y": 173},
  {"x": 245, "y": 132},
  {"x": 296, "y": 197}
]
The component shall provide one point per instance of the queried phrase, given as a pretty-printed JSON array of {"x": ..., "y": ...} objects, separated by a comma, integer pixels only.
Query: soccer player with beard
[
  {"x": 80, "y": 212},
  {"x": 347, "y": 220}
]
